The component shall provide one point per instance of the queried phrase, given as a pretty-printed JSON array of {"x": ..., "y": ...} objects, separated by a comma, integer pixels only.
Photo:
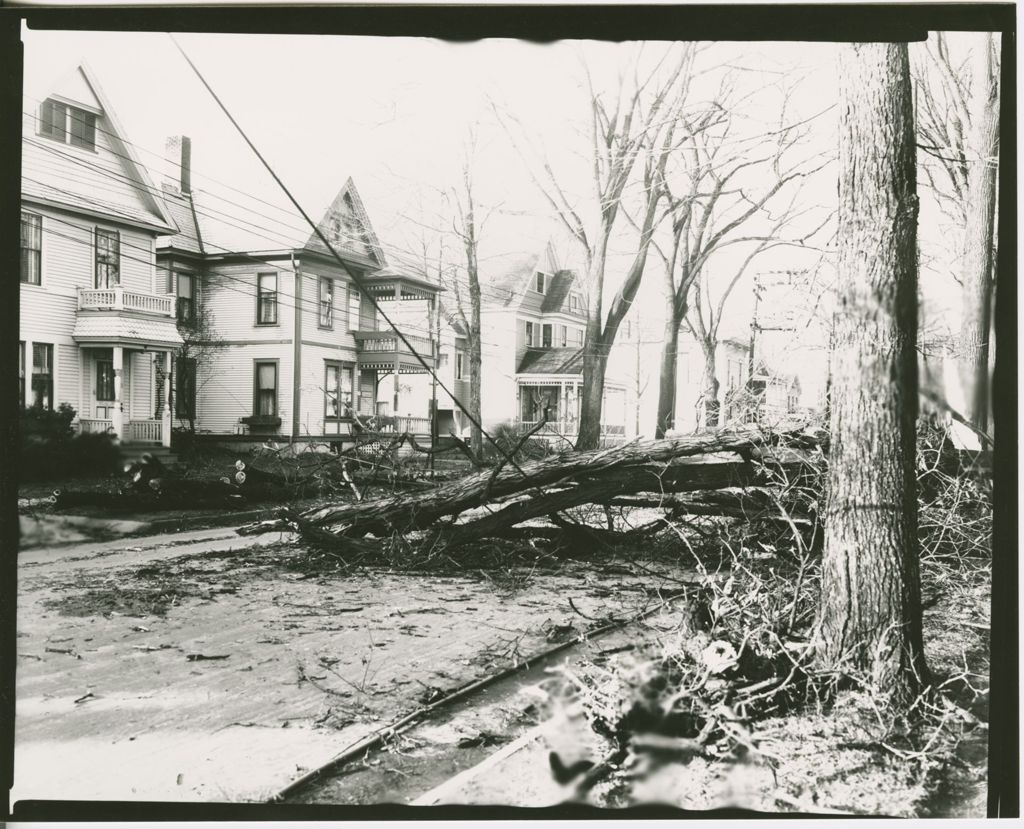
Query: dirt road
[{"x": 199, "y": 666}]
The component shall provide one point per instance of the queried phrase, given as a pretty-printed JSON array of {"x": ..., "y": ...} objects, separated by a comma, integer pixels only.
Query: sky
[{"x": 393, "y": 113}]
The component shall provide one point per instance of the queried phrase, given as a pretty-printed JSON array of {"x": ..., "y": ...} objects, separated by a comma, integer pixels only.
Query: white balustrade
[
  {"x": 93, "y": 426},
  {"x": 145, "y": 431},
  {"x": 118, "y": 299}
]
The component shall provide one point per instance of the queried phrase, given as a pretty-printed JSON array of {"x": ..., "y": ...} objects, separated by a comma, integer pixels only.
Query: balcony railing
[
  {"x": 383, "y": 344},
  {"x": 119, "y": 299}
]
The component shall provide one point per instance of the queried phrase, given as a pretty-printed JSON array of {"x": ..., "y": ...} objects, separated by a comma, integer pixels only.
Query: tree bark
[
  {"x": 654, "y": 465},
  {"x": 979, "y": 234},
  {"x": 667, "y": 377},
  {"x": 869, "y": 623},
  {"x": 712, "y": 407},
  {"x": 595, "y": 361}
]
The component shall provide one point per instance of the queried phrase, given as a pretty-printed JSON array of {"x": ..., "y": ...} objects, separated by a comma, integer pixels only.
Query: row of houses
[{"x": 151, "y": 310}]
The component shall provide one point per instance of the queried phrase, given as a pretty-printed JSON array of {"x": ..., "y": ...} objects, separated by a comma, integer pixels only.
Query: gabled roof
[
  {"x": 556, "y": 298},
  {"x": 348, "y": 207},
  {"x": 111, "y": 182},
  {"x": 506, "y": 277},
  {"x": 188, "y": 237},
  {"x": 552, "y": 361}
]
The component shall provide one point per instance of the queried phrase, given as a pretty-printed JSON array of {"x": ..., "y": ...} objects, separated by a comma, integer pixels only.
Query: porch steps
[{"x": 131, "y": 452}]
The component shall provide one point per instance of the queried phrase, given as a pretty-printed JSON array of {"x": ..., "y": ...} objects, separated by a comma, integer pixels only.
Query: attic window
[
  {"x": 574, "y": 302},
  {"x": 67, "y": 124},
  {"x": 540, "y": 282}
]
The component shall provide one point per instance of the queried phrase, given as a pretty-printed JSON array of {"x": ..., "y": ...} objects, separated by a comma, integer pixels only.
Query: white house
[{"x": 96, "y": 330}]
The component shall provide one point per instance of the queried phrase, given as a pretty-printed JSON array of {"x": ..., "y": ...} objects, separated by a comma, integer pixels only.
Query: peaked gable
[
  {"x": 347, "y": 226},
  {"x": 109, "y": 179}
]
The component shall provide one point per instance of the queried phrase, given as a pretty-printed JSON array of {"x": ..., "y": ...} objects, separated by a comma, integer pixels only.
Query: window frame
[
  {"x": 547, "y": 335},
  {"x": 328, "y": 282},
  {"x": 269, "y": 297},
  {"x": 276, "y": 363},
  {"x": 37, "y": 251},
  {"x": 343, "y": 367},
  {"x": 22, "y": 347},
  {"x": 540, "y": 282},
  {"x": 355, "y": 305},
  {"x": 46, "y": 124},
  {"x": 48, "y": 350},
  {"x": 529, "y": 333},
  {"x": 97, "y": 233},
  {"x": 191, "y": 298},
  {"x": 460, "y": 364},
  {"x": 185, "y": 374}
]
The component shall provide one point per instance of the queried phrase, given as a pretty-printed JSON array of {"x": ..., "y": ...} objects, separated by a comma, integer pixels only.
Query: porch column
[
  {"x": 165, "y": 428},
  {"x": 398, "y": 364},
  {"x": 563, "y": 403},
  {"x": 116, "y": 415}
]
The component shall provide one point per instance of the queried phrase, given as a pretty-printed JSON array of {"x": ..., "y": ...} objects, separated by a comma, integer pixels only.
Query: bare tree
[
  {"x": 958, "y": 128},
  {"x": 719, "y": 211},
  {"x": 869, "y": 620},
  {"x": 200, "y": 344},
  {"x": 637, "y": 120}
]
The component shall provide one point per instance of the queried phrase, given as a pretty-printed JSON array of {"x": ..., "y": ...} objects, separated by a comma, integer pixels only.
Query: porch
[{"x": 556, "y": 402}]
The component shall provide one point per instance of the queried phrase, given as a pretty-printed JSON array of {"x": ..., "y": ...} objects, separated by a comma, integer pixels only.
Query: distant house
[
  {"x": 305, "y": 357},
  {"x": 97, "y": 329},
  {"x": 776, "y": 395},
  {"x": 533, "y": 318},
  {"x": 732, "y": 366}
]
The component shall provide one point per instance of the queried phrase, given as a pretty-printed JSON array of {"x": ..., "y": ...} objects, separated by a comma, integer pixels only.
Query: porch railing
[
  {"x": 383, "y": 342},
  {"x": 567, "y": 428},
  {"x": 144, "y": 431},
  {"x": 91, "y": 426},
  {"x": 118, "y": 299}
]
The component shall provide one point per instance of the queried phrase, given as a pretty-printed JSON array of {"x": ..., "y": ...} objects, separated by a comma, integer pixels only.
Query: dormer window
[
  {"x": 67, "y": 124},
  {"x": 540, "y": 282},
  {"x": 574, "y": 302}
]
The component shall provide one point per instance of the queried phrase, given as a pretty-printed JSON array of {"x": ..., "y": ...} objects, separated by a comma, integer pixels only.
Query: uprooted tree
[{"x": 869, "y": 621}]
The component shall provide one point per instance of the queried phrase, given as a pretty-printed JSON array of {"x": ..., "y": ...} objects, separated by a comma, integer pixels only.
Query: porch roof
[
  {"x": 103, "y": 328},
  {"x": 552, "y": 361}
]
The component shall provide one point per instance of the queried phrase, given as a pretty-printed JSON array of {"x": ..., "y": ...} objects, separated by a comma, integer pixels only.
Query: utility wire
[{"x": 356, "y": 278}]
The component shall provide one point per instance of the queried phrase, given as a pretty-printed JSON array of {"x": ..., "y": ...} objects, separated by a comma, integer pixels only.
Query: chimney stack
[{"x": 178, "y": 153}]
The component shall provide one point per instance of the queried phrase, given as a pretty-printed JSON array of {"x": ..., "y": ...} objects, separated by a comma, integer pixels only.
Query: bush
[
  {"x": 507, "y": 435},
  {"x": 50, "y": 449}
]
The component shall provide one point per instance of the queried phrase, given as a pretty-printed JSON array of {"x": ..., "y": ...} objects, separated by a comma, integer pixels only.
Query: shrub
[
  {"x": 49, "y": 448},
  {"x": 508, "y": 435}
]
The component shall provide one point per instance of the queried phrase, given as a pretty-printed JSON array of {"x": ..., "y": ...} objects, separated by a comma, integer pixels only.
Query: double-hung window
[
  {"x": 186, "y": 298},
  {"x": 353, "y": 308},
  {"x": 529, "y": 334},
  {"x": 185, "y": 388},
  {"x": 460, "y": 364},
  {"x": 338, "y": 390},
  {"x": 266, "y": 299},
  {"x": 108, "y": 258},
  {"x": 265, "y": 392},
  {"x": 42, "y": 375},
  {"x": 326, "y": 302},
  {"x": 31, "y": 248},
  {"x": 563, "y": 336},
  {"x": 67, "y": 124},
  {"x": 545, "y": 336},
  {"x": 540, "y": 282}
]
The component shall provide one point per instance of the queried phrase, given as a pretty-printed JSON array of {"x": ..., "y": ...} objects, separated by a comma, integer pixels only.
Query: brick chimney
[{"x": 178, "y": 153}]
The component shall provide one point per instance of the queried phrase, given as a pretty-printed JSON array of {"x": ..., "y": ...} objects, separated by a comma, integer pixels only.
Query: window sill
[
  {"x": 267, "y": 324},
  {"x": 262, "y": 421}
]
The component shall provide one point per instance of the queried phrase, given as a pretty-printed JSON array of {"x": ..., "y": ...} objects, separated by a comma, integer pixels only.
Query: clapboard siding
[
  {"x": 225, "y": 386},
  {"x": 99, "y": 180},
  {"x": 229, "y": 294},
  {"x": 141, "y": 376}
]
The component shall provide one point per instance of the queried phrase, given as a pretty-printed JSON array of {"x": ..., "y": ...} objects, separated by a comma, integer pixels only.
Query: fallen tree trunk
[{"x": 562, "y": 481}]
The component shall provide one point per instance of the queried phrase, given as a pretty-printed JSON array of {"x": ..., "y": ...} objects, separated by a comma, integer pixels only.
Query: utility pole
[{"x": 435, "y": 348}]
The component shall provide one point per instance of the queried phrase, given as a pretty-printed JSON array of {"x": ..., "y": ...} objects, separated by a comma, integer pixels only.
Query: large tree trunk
[
  {"x": 712, "y": 407},
  {"x": 869, "y": 623},
  {"x": 667, "y": 378},
  {"x": 976, "y": 265},
  {"x": 595, "y": 361}
]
